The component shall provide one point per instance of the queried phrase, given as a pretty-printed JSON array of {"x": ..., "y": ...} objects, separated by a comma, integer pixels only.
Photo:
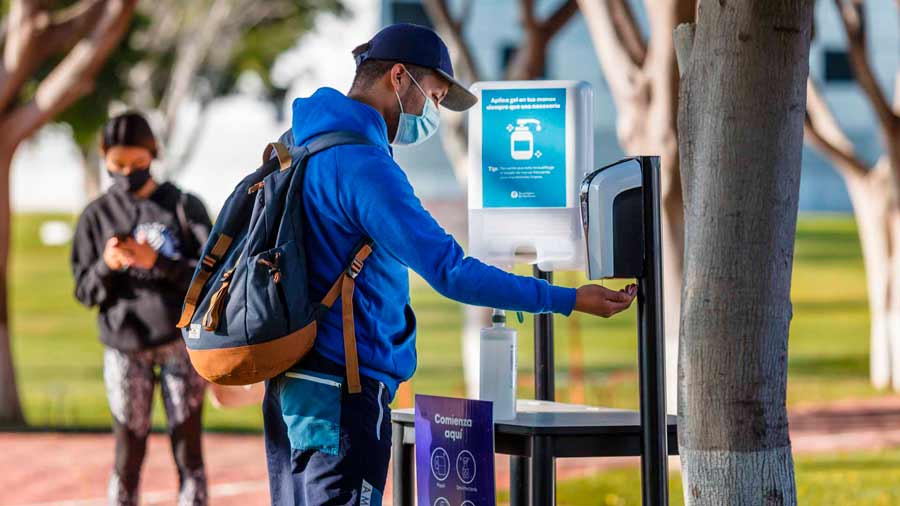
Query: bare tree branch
[
  {"x": 70, "y": 25},
  {"x": 451, "y": 30},
  {"x": 852, "y": 16},
  {"x": 26, "y": 21},
  {"x": 191, "y": 53},
  {"x": 158, "y": 38},
  {"x": 529, "y": 61},
  {"x": 822, "y": 131},
  {"x": 74, "y": 76},
  {"x": 176, "y": 163},
  {"x": 623, "y": 75},
  {"x": 897, "y": 90},
  {"x": 529, "y": 20},
  {"x": 558, "y": 19},
  {"x": 628, "y": 31},
  {"x": 454, "y": 132},
  {"x": 250, "y": 13},
  {"x": 38, "y": 34}
]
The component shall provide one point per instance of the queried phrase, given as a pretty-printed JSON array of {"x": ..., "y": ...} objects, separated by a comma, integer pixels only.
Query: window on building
[
  {"x": 507, "y": 53},
  {"x": 409, "y": 12},
  {"x": 837, "y": 66}
]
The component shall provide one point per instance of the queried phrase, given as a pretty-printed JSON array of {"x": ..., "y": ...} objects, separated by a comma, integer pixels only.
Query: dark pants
[
  {"x": 130, "y": 379},
  {"x": 325, "y": 446}
]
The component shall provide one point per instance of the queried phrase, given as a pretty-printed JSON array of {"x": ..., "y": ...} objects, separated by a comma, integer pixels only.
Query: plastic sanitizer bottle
[{"x": 498, "y": 366}]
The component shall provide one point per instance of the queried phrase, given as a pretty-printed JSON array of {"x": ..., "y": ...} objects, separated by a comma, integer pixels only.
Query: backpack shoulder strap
[
  {"x": 344, "y": 287},
  {"x": 281, "y": 151},
  {"x": 332, "y": 139},
  {"x": 205, "y": 270},
  {"x": 287, "y": 154}
]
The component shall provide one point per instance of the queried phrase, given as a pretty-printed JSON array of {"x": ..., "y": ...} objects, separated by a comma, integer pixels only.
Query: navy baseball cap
[{"x": 418, "y": 45}]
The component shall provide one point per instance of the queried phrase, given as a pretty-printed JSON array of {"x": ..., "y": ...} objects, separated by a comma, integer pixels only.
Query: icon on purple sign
[
  {"x": 465, "y": 467},
  {"x": 440, "y": 464},
  {"x": 440, "y": 501}
]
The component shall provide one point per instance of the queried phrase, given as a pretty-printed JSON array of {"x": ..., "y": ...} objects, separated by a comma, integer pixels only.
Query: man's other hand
[{"x": 601, "y": 301}]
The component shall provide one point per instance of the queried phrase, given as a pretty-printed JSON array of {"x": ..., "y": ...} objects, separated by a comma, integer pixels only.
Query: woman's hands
[
  {"x": 113, "y": 255},
  {"x": 601, "y": 301},
  {"x": 124, "y": 253}
]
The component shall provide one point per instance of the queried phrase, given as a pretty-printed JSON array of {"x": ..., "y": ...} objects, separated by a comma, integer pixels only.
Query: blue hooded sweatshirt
[{"x": 359, "y": 191}]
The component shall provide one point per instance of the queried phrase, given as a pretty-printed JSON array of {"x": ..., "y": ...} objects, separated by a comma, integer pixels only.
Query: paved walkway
[{"x": 71, "y": 469}]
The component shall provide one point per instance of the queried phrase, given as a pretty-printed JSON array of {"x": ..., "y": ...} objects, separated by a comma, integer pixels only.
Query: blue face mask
[{"x": 413, "y": 129}]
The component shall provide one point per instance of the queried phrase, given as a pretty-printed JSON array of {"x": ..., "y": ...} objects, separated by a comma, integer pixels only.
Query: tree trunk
[
  {"x": 876, "y": 214},
  {"x": 874, "y": 192},
  {"x": 84, "y": 41},
  {"x": 90, "y": 162},
  {"x": 10, "y": 407},
  {"x": 743, "y": 97},
  {"x": 870, "y": 195},
  {"x": 893, "y": 320}
]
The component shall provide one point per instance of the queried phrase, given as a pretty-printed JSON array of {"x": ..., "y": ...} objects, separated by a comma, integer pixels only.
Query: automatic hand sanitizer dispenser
[
  {"x": 620, "y": 215},
  {"x": 611, "y": 213}
]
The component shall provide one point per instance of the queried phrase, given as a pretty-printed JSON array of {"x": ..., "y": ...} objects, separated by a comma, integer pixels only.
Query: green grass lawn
[
  {"x": 59, "y": 358},
  {"x": 858, "y": 479},
  {"x": 60, "y": 372}
]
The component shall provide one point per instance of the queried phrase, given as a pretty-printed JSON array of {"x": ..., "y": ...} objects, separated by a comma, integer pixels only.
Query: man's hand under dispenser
[{"x": 601, "y": 301}]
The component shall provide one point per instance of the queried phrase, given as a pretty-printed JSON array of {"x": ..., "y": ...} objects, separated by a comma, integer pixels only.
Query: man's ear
[{"x": 396, "y": 75}]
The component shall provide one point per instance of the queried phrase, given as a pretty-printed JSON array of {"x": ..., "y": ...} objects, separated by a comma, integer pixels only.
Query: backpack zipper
[
  {"x": 258, "y": 186},
  {"x": 275, "y": 272},
  {"x": 211, "y": 318},
  {"x": 309, "y": 377}
]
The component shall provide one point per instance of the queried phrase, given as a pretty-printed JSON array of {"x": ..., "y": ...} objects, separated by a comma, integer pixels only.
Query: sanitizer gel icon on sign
[{"x": 521, "y": 141}]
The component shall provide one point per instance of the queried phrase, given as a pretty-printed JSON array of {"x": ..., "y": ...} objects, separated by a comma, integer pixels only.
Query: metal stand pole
[
  {"x": 544, "y": 384},
  {"x": 404, "y": 461},
  {"x": 543, "y": 469},
  {"x": 519, "y": 485},
  {"x": 651, "y": 349}
]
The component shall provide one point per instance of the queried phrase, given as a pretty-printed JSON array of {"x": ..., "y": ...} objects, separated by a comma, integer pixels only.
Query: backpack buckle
[
  {"x": 354, "y": 268},
  {"x": 209, "y": 262}
]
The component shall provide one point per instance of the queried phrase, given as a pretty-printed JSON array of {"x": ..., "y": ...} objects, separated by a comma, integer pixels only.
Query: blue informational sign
[
  {"x": 454, "y": 452},
  {"x": 523, "y": 147}
]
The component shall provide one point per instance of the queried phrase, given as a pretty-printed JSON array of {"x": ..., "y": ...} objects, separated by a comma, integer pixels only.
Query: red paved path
[{"x": 71, "y": 469}]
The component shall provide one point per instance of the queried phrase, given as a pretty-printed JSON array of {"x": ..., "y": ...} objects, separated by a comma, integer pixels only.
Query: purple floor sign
[{"x": 454, "y": 452}]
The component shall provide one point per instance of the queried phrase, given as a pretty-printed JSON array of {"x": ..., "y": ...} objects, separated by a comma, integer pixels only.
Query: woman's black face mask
[{"x": 134, "y": 181}]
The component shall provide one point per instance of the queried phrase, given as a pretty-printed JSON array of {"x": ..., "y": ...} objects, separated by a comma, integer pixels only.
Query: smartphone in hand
[{"x": 121, "y": 237}]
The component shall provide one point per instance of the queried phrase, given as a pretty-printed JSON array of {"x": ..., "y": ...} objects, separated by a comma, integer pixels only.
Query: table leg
[
  {"x": 543, "y": 472},
  {"x": 518, "y": 481},
  {"x": 404, "y": 459}
]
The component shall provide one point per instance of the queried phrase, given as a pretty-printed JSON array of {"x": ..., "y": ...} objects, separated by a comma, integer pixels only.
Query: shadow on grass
[
  {"x": 863, "y": 464},
  {"x": 831, "y": 306},
  {"x": 841, "y": 366},
  {"x": 827, "y": 245}
]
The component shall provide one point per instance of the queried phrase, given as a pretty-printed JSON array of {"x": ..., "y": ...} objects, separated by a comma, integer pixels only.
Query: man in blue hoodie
[{"x": 325, "y": 446}]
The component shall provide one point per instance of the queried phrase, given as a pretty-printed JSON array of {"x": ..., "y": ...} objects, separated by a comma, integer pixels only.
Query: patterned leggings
[{"x": 130, "y": 378}]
